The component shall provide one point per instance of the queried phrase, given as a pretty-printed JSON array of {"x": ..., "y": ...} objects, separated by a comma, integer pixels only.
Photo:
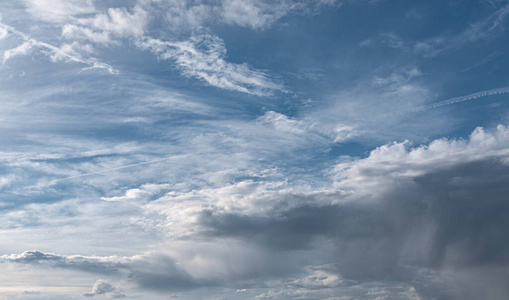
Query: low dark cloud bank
[{"x": 444, "y": 232}]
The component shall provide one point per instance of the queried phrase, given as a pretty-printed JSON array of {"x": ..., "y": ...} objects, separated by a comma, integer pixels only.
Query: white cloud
[
  {"x": 21, "y": 50},
  {"x": 282, "y": 122},
  {"x": 102, "y": 287},
  {"x": 260, "y": 14},
  {"x": 73, "y": 51},
  {"x": 396, "y": 162},
  {"x": 67, "y": 52},
  {"x": 120, "y": 22},
  {"x": 203, "y": 57},
  {"x": 254, "y": 14},
  {"x": 375, "y": 111},
  {"x": 70, "y": 31},
  {"x": 140, "y": 194},
  {"x": 5, "y": 181},
  {"x": 59, "y": 10},
  {"x": 3, "y": 33}
]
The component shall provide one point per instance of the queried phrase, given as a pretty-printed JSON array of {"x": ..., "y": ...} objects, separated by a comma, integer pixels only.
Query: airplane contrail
[
  {"x": 108, "y": 170},
  {"x": 454, "y": 100}
]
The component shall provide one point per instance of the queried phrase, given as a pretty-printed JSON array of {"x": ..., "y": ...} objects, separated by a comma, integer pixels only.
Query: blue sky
[{"x": 251, "y": 149}]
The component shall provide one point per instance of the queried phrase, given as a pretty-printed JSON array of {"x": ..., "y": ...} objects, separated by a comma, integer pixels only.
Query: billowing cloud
[
  {"x": 102, "y": 287},
  {"x": 422, "y": 217}
]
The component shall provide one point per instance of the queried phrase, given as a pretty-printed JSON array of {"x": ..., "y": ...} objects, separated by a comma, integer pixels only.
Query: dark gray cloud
[{"x": 436, "y": 232}]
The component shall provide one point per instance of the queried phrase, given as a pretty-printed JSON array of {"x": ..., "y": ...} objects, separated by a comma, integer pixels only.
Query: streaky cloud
[
  {"x": 54, "y": 53},
  {"x": 203, "y": 57},
  {"x": 481, "y": 94}
]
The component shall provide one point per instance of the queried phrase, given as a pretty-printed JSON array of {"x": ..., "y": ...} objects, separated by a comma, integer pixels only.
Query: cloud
[
  {"x": 67, "y": 52},
  {"x": 31, "y": 292},
  {"x": 120, "y": 22},
  {"x": 282, "y": 122},
  {"x": 73, "y": 32},
  {"x": 59, "y": 10},
  {"x": 143, "y": 193},
  {"x": 485, "y": 28},
  {"x": 203, "y": 57},
  {"x": 401, "y": 223},
  {"x": 3, "y": 33},
  {"x": 20, "y": 50},
  {"x": 260, "y": 14},
  {"x": 370, "y": 110},
  {"x": 254, "y": 14},
  {"x": 402, "y": 212},
  {"x": 390, "y": 40},
  {"x": 102, "y": 287},
  {"x": 481, "y": 94},
  {"x": 92, "y": 264}
]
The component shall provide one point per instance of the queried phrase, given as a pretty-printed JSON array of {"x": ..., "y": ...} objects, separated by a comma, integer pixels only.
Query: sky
[{"x": 254, "y": 149}]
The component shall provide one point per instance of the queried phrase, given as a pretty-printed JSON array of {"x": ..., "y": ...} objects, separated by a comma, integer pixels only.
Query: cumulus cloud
[
  {"x": 402, "y": 213},
  {"x": 102, "y": 287}
]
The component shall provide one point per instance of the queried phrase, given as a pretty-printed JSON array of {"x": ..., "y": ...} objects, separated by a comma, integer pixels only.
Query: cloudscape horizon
[{"x": 254, "y": 149}]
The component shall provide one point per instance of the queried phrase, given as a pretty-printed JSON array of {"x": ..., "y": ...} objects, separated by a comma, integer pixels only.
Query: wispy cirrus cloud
[
  {"x": 483, "y": 29},
  {"x": 203, "y": 57},
  {"x": 67, "y": 52}
]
